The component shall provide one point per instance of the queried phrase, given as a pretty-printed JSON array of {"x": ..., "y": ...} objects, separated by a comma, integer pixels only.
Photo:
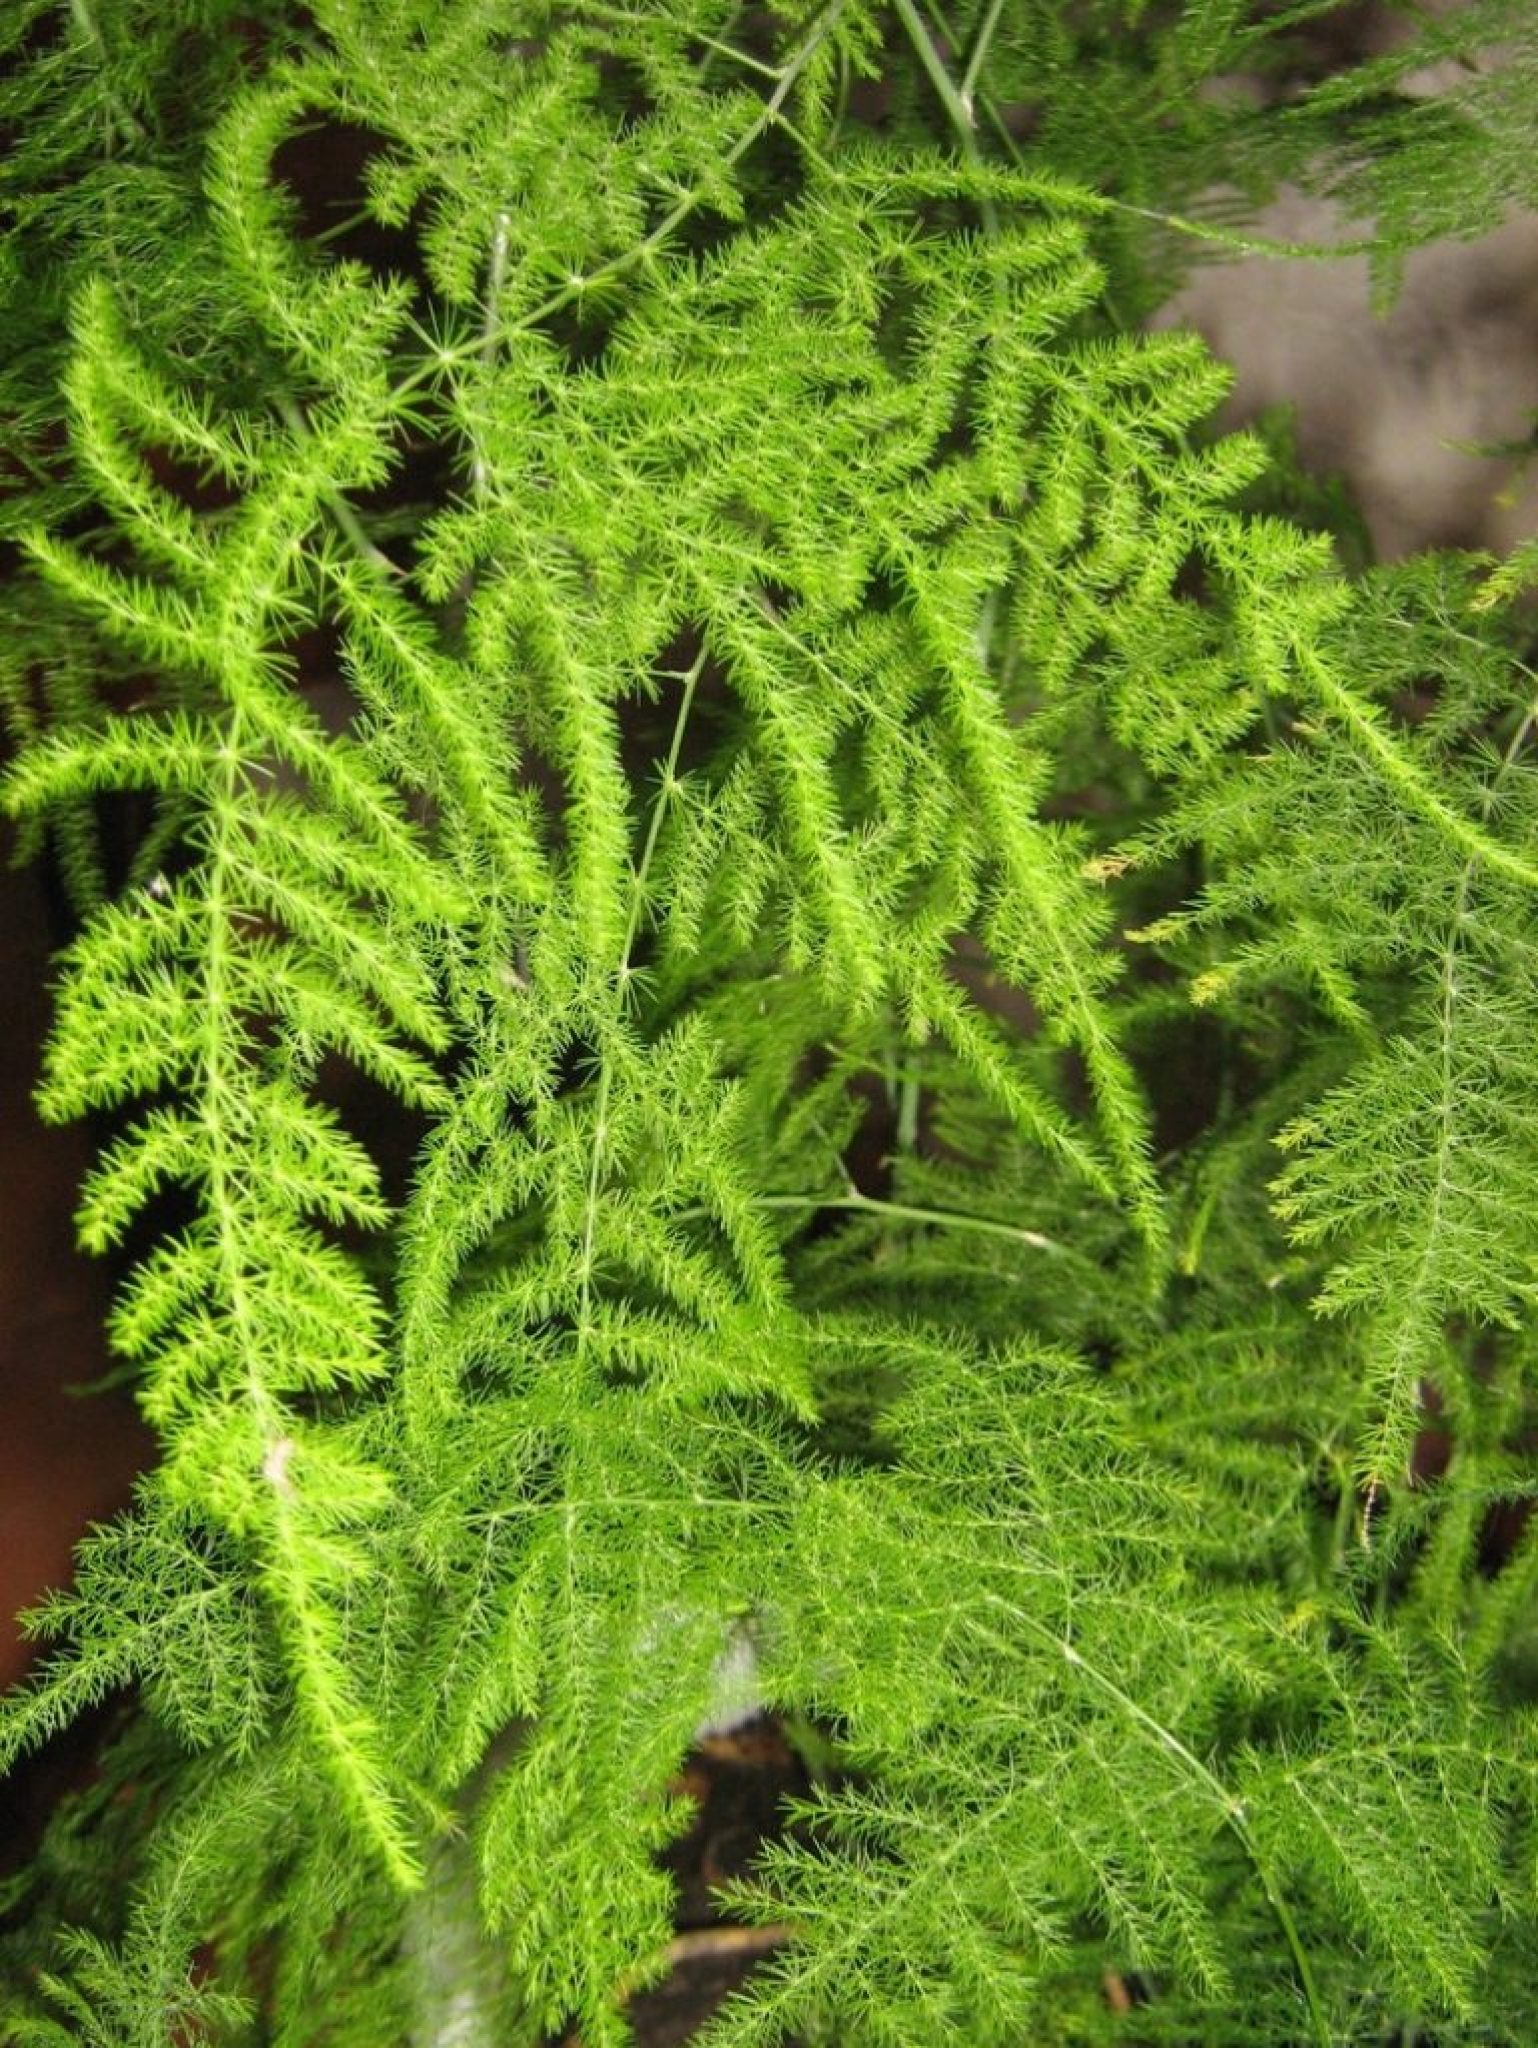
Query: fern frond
[{"x": 792, "y": 651}]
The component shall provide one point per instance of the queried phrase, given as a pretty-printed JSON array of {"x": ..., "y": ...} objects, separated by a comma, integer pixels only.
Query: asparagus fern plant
[{"x": 959, "y": 996}]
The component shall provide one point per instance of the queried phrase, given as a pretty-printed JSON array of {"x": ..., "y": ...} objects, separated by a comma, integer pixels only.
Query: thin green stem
[
  {"x": 609, "y": 1503},
  {"x": 963, "y": 104},
  {"x": 1401, "y": 773},
  {"x": 669, "y": 783},
  {"x": 958, "y": 110},
  {"x": 1240, "y": 244},
  {"x": 979, "y": 55},
  {"x": 226, "y": 1179},
  {"x": 1232, "y": 1809},
  {"x": 347, "y": 522},
  {"x": 958, "y": 105},
  {"x": 730, "y": 50},
  {"x": 617, "y": 266},
  {"x": 899, "y": 1212}
]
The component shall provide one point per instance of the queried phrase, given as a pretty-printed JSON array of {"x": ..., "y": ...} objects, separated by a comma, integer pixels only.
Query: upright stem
[
  {"x": 957, "y": 109},
  {"x": 957, "y": 104},
  {"x": 496, "y": 277},
  {"x": 622, "y": 974},
  {"x": 979, "y": 55}
]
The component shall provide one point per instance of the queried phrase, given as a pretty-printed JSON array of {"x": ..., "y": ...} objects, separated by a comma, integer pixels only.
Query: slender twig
[
  {"x": 1117, "y": 1996},
  {"x": 962, "y": 106},
  {"x": 1232, "y": 1808},
  {"x": 579, "y": 285},
  {"x": 698, "y": 1942},
  {"x": 737, "y": 56},
  {"x": 979, "y": 56},
  {"x": 668, "y": 785},
  {"x": 347, "y": 521},
  {"x": 709, "y": 1944},
  {"x": 901, "y": 1212},
  {"x": 496, "y": 277}
]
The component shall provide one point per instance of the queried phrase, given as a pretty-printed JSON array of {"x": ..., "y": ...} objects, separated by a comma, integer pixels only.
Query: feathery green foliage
[{"x": 843, "y": 832}]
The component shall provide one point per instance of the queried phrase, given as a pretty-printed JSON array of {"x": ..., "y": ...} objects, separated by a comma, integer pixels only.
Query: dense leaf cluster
[{"x": 845, "y": 827}]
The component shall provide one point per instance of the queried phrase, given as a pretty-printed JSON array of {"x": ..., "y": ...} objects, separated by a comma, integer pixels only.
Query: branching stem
[
  {"x": 638, "y": 252},
  {"x": 979, "y": 56},
  {"x": 962, "y": 107}
]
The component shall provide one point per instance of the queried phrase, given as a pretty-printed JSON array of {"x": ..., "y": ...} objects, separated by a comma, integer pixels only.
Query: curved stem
[
  {"x": 957, "y": 104},
  {"x": 979, "y": 54},
  {"x": 1232, "y": 1809},
  {"x": 1407, "y": 780},
  {"x": 958, "y": 110}
]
